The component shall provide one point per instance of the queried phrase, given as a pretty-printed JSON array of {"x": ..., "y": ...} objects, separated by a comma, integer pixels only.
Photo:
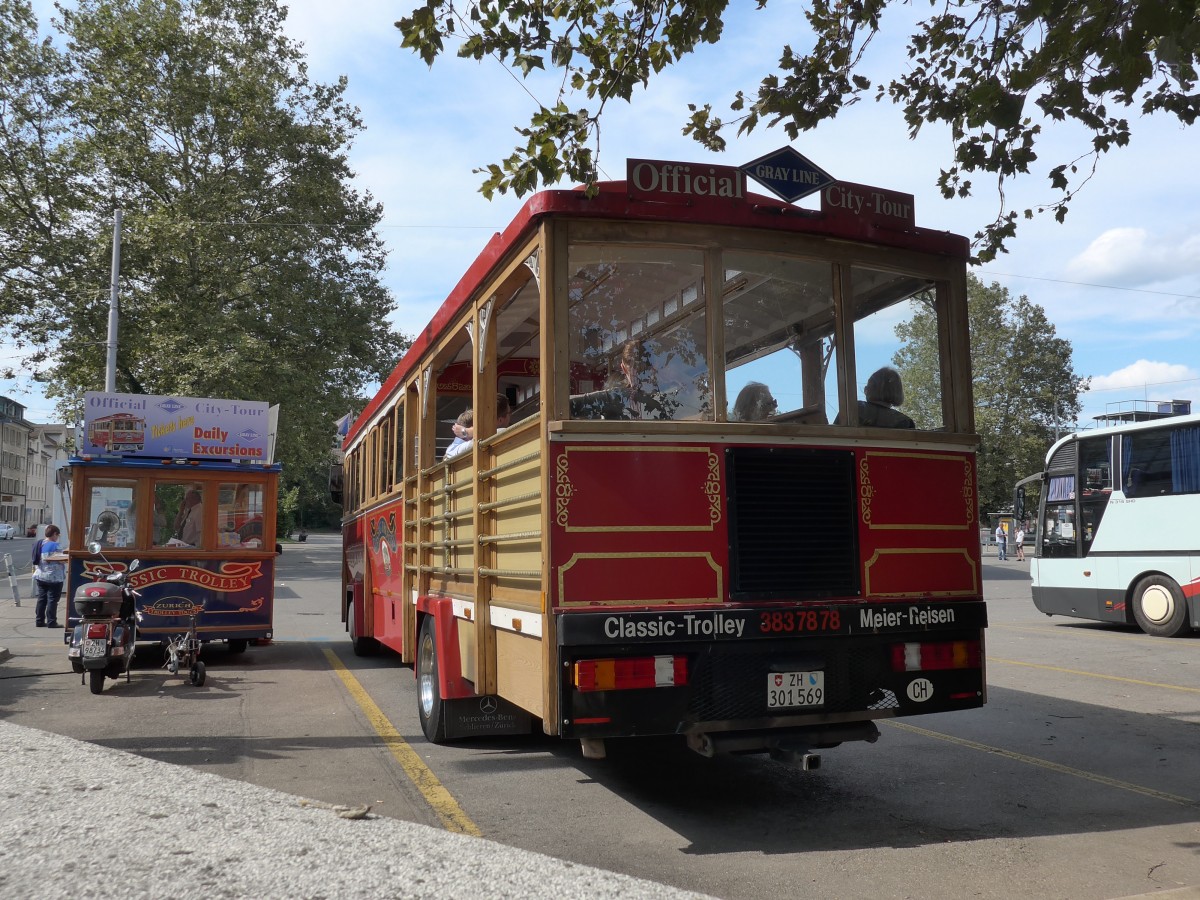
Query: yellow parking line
[
  {"x": 1028, "y": 665},
  {"x": 1050, "y": 766},
  {"x": 447, "y": 809}
]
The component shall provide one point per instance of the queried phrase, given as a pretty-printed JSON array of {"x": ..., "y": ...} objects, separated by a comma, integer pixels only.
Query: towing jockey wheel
[{"x": 198, "y": 673}]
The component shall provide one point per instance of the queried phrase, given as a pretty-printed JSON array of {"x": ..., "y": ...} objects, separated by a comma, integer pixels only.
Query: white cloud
[
  {"x": 1144, "y": 373},
  {"x": 1134, "y": 256}
]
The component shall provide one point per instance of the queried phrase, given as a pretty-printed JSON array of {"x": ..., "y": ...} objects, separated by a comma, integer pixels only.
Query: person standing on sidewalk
[
  {"x": 48, "y": 577},
  {"x": 1001, "y": 542}
]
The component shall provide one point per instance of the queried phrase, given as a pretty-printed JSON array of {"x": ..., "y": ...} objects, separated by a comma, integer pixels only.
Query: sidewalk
[{"x": 83, "y": 821}]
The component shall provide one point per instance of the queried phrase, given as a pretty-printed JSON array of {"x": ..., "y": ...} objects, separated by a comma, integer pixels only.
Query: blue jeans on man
[
  {"x": 48, "y": 595},
  {"x": 1002, "y": 549}
]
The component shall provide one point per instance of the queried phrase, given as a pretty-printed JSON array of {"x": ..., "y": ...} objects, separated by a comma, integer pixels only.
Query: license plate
[
  {"x": 92, "y": 649},
  {"x": 792, "y": 689}
]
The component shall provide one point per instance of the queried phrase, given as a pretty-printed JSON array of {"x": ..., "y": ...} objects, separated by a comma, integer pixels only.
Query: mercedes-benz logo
[{"x": 488, "y": 705}]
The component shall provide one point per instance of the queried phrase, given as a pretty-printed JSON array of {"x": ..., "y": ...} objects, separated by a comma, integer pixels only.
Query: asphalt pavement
[{"x": 81, "y": 821}]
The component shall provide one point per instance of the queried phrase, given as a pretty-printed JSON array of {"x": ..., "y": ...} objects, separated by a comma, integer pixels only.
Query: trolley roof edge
[{"x": 613, "y": 201}]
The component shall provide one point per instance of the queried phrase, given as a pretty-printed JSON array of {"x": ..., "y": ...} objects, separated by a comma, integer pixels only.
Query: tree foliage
[
  {"x": 1026, "y": 389},
  {"x": 994, "y": 71},
  {"x": 250, "y": 266}
]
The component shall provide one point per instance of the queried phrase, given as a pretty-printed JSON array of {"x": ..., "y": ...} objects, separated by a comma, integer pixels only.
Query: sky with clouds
[{"x": 1120, "y": 279}]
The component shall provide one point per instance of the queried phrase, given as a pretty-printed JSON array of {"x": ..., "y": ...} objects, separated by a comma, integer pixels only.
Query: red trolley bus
[
  {"x": 674, "y": 515},
  {"x": 118, "y": 432}
]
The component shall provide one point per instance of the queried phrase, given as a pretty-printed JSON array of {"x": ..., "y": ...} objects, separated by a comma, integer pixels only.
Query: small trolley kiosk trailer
[
  {"x": 673, "y": 514},
  {"x": 196, "y": 505}
]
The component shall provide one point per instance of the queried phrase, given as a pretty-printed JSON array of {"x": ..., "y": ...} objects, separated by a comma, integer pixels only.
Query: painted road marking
[
  {"x": 443, "y": 803},
  {"x": 1050, "y": 766},
  {"x": 1157, "y": 684}
]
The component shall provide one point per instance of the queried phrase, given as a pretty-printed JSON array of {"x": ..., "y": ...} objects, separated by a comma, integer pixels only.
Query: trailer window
[{"x": 112, "y": 514}]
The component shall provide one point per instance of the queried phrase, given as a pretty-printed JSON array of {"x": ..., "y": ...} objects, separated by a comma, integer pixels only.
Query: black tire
[
  {"x": 238, "y": 645},
  {"x": 96, "y": 680},
  {"x": 362, "y": 646},
  {"x": 431, "y": 708},
  {"x": 198, "y": 674},
  {"x": 1159, "y": 607}
]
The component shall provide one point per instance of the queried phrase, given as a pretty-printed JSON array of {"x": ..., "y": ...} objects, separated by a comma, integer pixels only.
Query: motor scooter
[{"x": 104, "y": 627}]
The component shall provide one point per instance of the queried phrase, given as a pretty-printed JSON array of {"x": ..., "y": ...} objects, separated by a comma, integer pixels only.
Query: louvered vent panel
[{"x": 794, "y": 523}]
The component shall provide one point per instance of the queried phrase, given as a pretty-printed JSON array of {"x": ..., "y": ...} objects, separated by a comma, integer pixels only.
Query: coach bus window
[
  {"x": 779, "y": 353},
  {"x": 1148, "y": 469},
  {"x": 896, "y": 325},
  {"x": 1095, "y": 477},
  {"x": 398, "y": 455},
  {"x": 638, "y": 345},
  {"x": 518, "y": 352}
]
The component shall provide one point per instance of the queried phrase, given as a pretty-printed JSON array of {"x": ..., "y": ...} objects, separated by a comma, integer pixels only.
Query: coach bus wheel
[
  {"x": 237, "y": 645},
  {"x": 360, "y": 645},
  {"x": 1159, "y": 607},
  {"x": 430, "y": 706}
]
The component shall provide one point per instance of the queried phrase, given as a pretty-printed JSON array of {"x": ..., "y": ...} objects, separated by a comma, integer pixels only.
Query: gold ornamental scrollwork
[
  {"x": 712, "y": 488},
  {"x": 563, "y": 489},
  {"x": 968, "y": 491},
  {"x": 865, "y": 490}
]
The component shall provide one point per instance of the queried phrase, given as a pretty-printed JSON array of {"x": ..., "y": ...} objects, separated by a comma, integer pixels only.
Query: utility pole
[{"x": 110, "y": 371}]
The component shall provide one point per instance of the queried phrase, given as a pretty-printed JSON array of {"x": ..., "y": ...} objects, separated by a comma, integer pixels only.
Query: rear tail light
[
  {"x": 630, "y": 673},
  {"x": 925, "y": 656},
  {"x": 97, "y": 630}
]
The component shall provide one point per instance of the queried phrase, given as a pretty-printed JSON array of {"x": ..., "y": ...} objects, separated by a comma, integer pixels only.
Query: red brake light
[
  {"x": 925, "y": 656},
  {"x": 630, "y": 673},
  {"x": 97, "y": 630}
]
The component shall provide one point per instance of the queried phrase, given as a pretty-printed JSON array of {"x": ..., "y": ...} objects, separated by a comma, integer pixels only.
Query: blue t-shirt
[{"x": 47, "y": 571}]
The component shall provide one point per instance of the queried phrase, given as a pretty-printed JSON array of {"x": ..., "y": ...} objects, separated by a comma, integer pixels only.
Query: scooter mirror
[
  {"x": 133, "y": 565},
  {"x": 94, "y": 547}
]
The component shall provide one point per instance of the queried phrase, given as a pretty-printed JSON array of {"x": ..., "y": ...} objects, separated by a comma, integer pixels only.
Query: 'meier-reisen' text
[{"x": 905, "y": 618}]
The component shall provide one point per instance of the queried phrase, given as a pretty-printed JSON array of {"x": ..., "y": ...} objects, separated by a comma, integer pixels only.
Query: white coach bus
[{"x": 1118, "y": 515}]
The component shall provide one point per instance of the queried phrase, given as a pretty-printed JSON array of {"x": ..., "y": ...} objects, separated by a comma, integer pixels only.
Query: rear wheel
[
  {"x": 198, "y": 674},
  {"x": 237, "y": 645},
  {"x": 362, "y": 646},
  {"x": 96, "y": 680},
  {"x": 1159, "y": 607},
  {"x": 431, "y": 708}
]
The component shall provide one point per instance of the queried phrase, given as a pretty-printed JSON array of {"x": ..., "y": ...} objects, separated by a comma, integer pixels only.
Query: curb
[{"x": 4, "y": 654}]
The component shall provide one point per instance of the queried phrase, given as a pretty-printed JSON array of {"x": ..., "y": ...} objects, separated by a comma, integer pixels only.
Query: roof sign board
[
  {"x": 663, "y": 180},
  {"x": 175, "y": 427},
  {"x": 788, "y": 175}
]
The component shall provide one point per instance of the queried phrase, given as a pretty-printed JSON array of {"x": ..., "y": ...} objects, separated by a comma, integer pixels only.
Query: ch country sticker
[{"x": 920, "y": 690}]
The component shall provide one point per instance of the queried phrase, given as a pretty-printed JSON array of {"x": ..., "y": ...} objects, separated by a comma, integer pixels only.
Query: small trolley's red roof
[{"x": 613, "y": 201}]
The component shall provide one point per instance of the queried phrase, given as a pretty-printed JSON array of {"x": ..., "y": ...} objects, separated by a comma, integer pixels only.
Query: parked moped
[{"x": 104, "y": 627}]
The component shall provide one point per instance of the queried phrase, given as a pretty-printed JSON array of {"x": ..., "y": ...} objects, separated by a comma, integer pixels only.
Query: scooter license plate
[{"x": 94, "y": 648}]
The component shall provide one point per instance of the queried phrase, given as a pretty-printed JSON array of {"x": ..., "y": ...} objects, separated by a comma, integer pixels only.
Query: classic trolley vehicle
[
  {"x": 196, "y": 506},
  {"x": 1116, "y": 510},
  {"x": 670, "y": 517},
  {"x": 120, "y": 431}
]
